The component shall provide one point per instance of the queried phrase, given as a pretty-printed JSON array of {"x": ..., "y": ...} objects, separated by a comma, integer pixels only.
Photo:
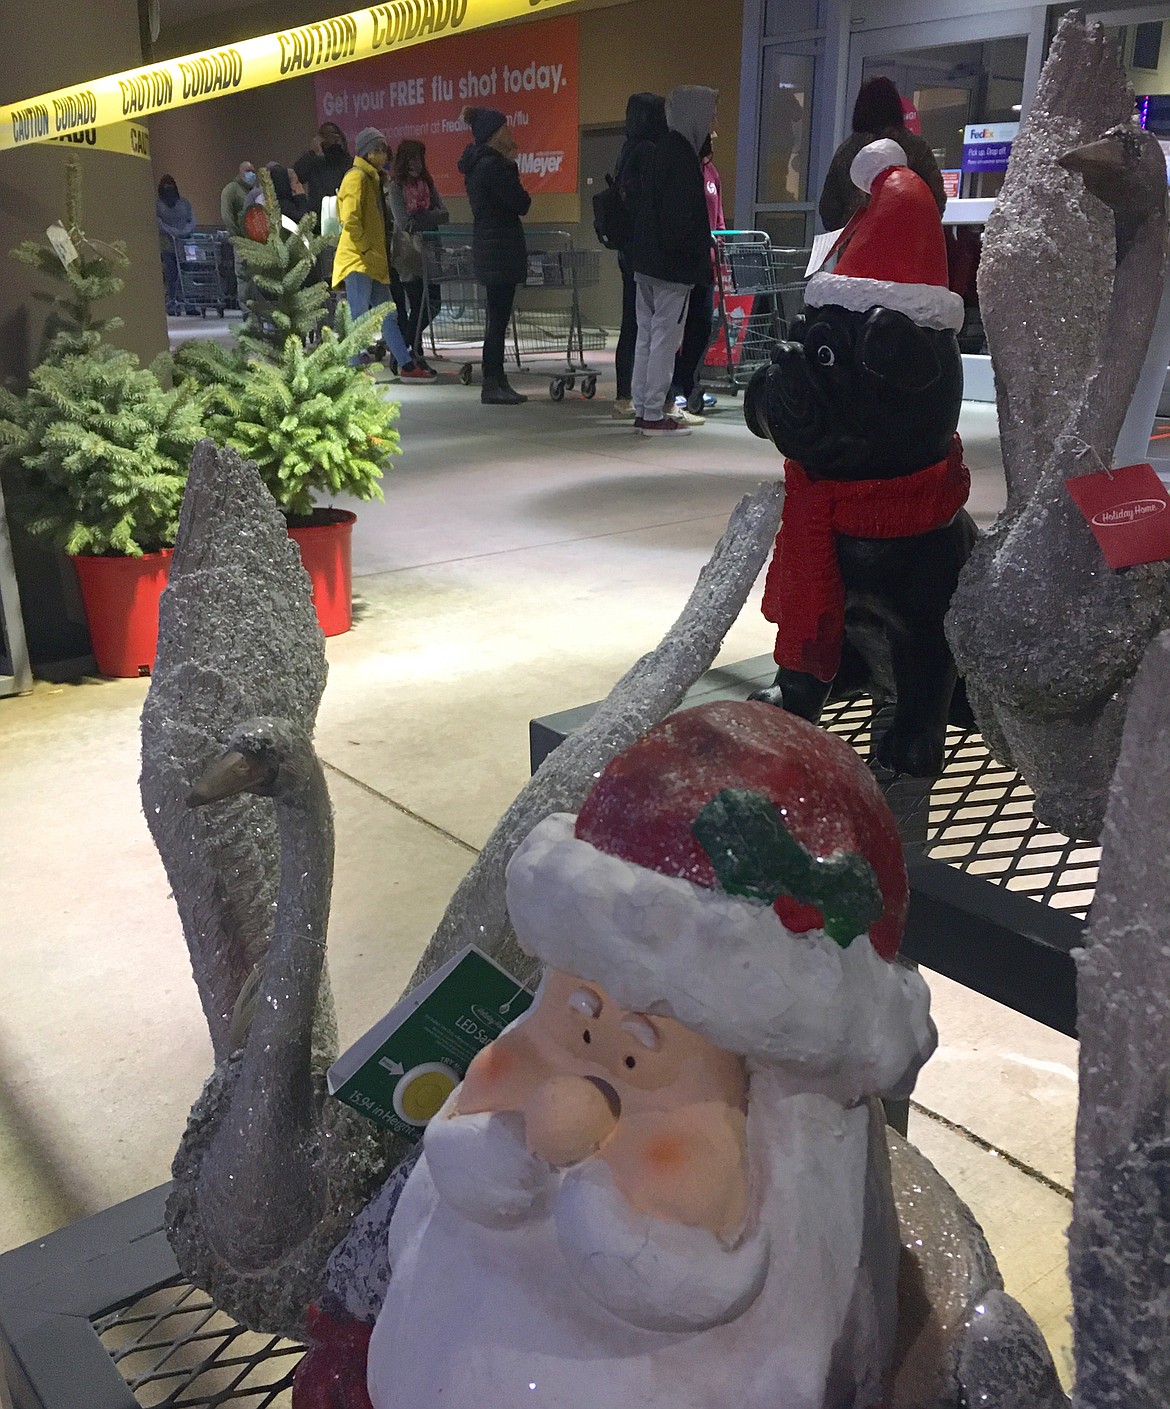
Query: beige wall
[{"x": 641, "y": 44}]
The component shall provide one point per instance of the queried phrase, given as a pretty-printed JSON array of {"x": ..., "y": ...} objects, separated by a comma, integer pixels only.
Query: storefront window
[
  {"x": 954, "y": 87},
  {"x": 785, "y": 113},
  {"x": 1145, "y": 51},
  {"x": 790, "y": 17}
]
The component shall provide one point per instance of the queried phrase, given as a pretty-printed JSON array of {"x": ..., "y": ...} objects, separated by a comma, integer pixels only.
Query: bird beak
[
  {"x": 1101, "y": 156},
  {"x": 228, "y": 776}
]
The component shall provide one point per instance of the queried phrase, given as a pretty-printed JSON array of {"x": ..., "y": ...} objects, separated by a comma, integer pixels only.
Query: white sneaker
[
  {"x": 623, "y": 411},
  {"x": 685, "y": 417}
]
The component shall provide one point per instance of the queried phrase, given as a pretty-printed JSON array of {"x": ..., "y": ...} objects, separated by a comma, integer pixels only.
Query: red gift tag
[{"x": 1127, "y": 511}]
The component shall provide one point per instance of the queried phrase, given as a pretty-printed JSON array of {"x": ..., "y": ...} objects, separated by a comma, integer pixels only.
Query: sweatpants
[{"x": 662, "y": 311}]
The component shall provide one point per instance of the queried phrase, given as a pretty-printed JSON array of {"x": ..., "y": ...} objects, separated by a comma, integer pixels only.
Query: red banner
[{"x": 528, "y": 71}]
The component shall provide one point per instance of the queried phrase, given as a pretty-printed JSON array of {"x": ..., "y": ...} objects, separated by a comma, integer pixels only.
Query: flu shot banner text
[{"x": 528, "y": 72}]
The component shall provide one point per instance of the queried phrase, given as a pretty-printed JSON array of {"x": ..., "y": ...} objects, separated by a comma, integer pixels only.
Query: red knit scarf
[{"x": 804, "y": 594}]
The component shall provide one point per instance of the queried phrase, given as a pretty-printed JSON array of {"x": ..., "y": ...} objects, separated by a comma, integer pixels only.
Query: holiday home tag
[{"x": 1127, "y": 511}]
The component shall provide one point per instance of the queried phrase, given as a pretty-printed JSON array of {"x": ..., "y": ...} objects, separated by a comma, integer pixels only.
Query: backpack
[{"x": 612, "y": 222}]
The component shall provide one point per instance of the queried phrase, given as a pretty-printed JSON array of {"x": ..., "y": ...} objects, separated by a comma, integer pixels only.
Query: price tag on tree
[
  {"x": 1127, "y": 510},
  {"x": 63, "y": 246},
  {"x": 406, "y": 1066}
]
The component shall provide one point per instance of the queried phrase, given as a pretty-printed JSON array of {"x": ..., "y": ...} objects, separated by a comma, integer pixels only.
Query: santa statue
[{"x": 666, "y": 1186}]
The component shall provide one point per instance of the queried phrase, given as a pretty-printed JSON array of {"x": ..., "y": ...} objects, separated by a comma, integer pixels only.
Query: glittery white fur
[
  {"x": 838, "y": 1021},
  {"x": 872, "y": 160},
  {"x": 928, "y": 305}
]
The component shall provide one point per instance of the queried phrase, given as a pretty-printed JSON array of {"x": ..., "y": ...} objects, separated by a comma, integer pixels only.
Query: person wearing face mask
[
  {"x": 416, "y": 207},
  {"x": 232, "y": 200},
  {"x": 176, "y": 220},
  {"x": 689, "y": 401},
  {"x": 321, "y": 168},
  {"x": 499, "y": 253},
  {"x": 361, "y": 265}
]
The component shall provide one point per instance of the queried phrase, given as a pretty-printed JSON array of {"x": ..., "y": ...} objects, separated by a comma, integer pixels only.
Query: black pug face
[{"x": 859, "y": 395}]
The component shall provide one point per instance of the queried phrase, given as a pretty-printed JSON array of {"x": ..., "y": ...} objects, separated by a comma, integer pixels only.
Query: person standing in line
[
  {"x": 232, "y": 200},
  {"x": 498, "y": 249},
  {"x": 697, "y": 330},
  {"x": 670, "y": 253},
  {"x": 320, "y": 170},
  {"x": 176, "y": 220},
  {"x": 361, "y": 265},
  {"x": 876, "y": 113},
  {"x": 645, "y": 126},
  {"x": 416, "y": 208}
]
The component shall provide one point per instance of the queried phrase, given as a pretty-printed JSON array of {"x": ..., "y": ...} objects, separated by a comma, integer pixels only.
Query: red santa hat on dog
[
  {"x": 739, "y": 870},
  {"x": 893, "y": 252}
]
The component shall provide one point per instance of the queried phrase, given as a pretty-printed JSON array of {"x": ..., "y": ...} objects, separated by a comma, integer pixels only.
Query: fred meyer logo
[
  {"x": 1131, "y": 512},
  {"x": 540, "y": 163}
]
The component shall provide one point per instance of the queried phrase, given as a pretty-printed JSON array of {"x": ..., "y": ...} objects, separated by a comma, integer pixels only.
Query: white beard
[{"x": 515, "y": 1285}]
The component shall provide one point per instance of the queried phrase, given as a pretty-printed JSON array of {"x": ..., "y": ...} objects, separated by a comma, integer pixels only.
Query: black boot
[{"x": 497, "y": 392}]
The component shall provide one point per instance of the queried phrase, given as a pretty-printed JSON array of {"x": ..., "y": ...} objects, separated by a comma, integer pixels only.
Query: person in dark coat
[
  {"x": 670, "y": 252},
  {"x": 321, "y": 168},
  {"x": 499, "y": 253},
  {"x": 645, "y": 125},
  {"x": 876, "y": 113}
]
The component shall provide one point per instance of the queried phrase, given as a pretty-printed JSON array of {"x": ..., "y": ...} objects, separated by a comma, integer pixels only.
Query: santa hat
[
  {"x": 738, "y": 869},
  {"x": 893, "y": 250}
]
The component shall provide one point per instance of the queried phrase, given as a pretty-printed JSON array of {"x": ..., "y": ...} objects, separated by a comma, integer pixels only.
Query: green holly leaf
[{"x": 754, "y": 854}]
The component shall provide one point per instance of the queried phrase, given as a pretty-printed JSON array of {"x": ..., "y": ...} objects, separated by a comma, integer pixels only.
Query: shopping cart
[
  {"x": 199, "y": 257},
  {"x": 759, "y": 290},
  {"x": 547, "y": 318}
]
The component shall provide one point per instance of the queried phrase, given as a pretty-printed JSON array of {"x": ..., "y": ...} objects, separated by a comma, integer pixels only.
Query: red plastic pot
[
  {"x": 121, "y": 607},
  {"x": 326, "y": 546}
]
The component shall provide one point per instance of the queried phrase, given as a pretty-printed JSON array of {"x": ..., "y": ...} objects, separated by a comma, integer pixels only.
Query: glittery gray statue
[
  {"x": 1047, "y": 637},
  {"x": 1119, "y": 1243},
  {"x": 270, "y": 1171}
]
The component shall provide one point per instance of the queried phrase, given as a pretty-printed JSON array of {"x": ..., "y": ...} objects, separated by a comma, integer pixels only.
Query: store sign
[
  {"x": 911, "y": 118},
  {"x": 234, "y": 68},
  {"x": 988, "y": 145},
  {"x": 529, "y": 72},
  {"x": 951, "y": 177}
]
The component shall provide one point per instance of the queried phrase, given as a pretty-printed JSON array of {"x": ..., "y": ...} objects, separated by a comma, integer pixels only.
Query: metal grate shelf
[
  {"x": 176, "y": 1351},
  {"x": 978, "y": 818}
]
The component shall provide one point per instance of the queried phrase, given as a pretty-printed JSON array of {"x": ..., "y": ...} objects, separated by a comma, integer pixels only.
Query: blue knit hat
[{"x": 484, "y": 122}]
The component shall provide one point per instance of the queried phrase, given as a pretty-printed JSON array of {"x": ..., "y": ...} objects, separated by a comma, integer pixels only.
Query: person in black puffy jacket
[
  {"x": 645, "y": 125},
  {"x": 670, "y": 252},
  {"x": 499, "y": 253}
]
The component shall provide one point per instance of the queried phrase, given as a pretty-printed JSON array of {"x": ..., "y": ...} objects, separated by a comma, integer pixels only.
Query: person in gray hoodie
[{"x": 670, "y": 252}]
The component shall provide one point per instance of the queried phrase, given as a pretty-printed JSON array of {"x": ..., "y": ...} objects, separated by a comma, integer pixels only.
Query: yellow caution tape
[
  {"x": 310, "y": 48},
  {"x": 130, "y": 138}
]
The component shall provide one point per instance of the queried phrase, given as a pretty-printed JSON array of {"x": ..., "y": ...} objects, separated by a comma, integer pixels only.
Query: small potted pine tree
[
  {"x": 96, "y": 449},
  {"x": 289, "y": 399}
]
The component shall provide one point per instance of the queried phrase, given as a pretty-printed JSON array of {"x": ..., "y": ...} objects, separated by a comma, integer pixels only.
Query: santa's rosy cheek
[{"x": 666, "y": 1154}]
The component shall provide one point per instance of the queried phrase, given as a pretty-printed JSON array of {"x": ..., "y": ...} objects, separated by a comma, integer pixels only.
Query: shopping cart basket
[
  {"x": 546, "y": 320},
  {"x": 199, "y": 257},
  {"x": 759, "y": 289}
]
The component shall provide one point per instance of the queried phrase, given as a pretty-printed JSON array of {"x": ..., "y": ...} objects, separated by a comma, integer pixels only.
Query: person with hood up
[
  {"x": 499, "y": 253},
  {"x": 176, "y": 220},
  {"x": 232, "y": 200},
  {"x": 876, "y": 113},
  {"x": 645, "y": 125},
  {"x": 361, "y": 263},
  {"x": 670, "y": 252}
]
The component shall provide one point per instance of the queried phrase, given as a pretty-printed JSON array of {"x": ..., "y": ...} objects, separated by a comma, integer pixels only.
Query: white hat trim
[
  {"x": 928, "y": 305},
  {"x": 872, "y": 160},
  {"x": 842, "y": 1022}
]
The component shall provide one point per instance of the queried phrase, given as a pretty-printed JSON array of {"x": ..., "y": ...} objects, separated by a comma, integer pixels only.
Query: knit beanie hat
[
  {"x": 738, "y": 869},
  {"x": 367, "y": 139},
  {"x": 484, "y": 123}
]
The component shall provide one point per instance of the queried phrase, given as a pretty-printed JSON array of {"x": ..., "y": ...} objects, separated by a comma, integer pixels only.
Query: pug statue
[{"x": 863, "y": 401}]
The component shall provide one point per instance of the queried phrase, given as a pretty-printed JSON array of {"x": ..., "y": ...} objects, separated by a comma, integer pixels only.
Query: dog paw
[
  {"x": 914, "y": 753},
  {"x": 772, "y": 695}
]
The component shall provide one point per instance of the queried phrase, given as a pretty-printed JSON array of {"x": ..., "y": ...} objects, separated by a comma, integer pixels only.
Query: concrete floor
[{"x": 523, "y": 558}]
